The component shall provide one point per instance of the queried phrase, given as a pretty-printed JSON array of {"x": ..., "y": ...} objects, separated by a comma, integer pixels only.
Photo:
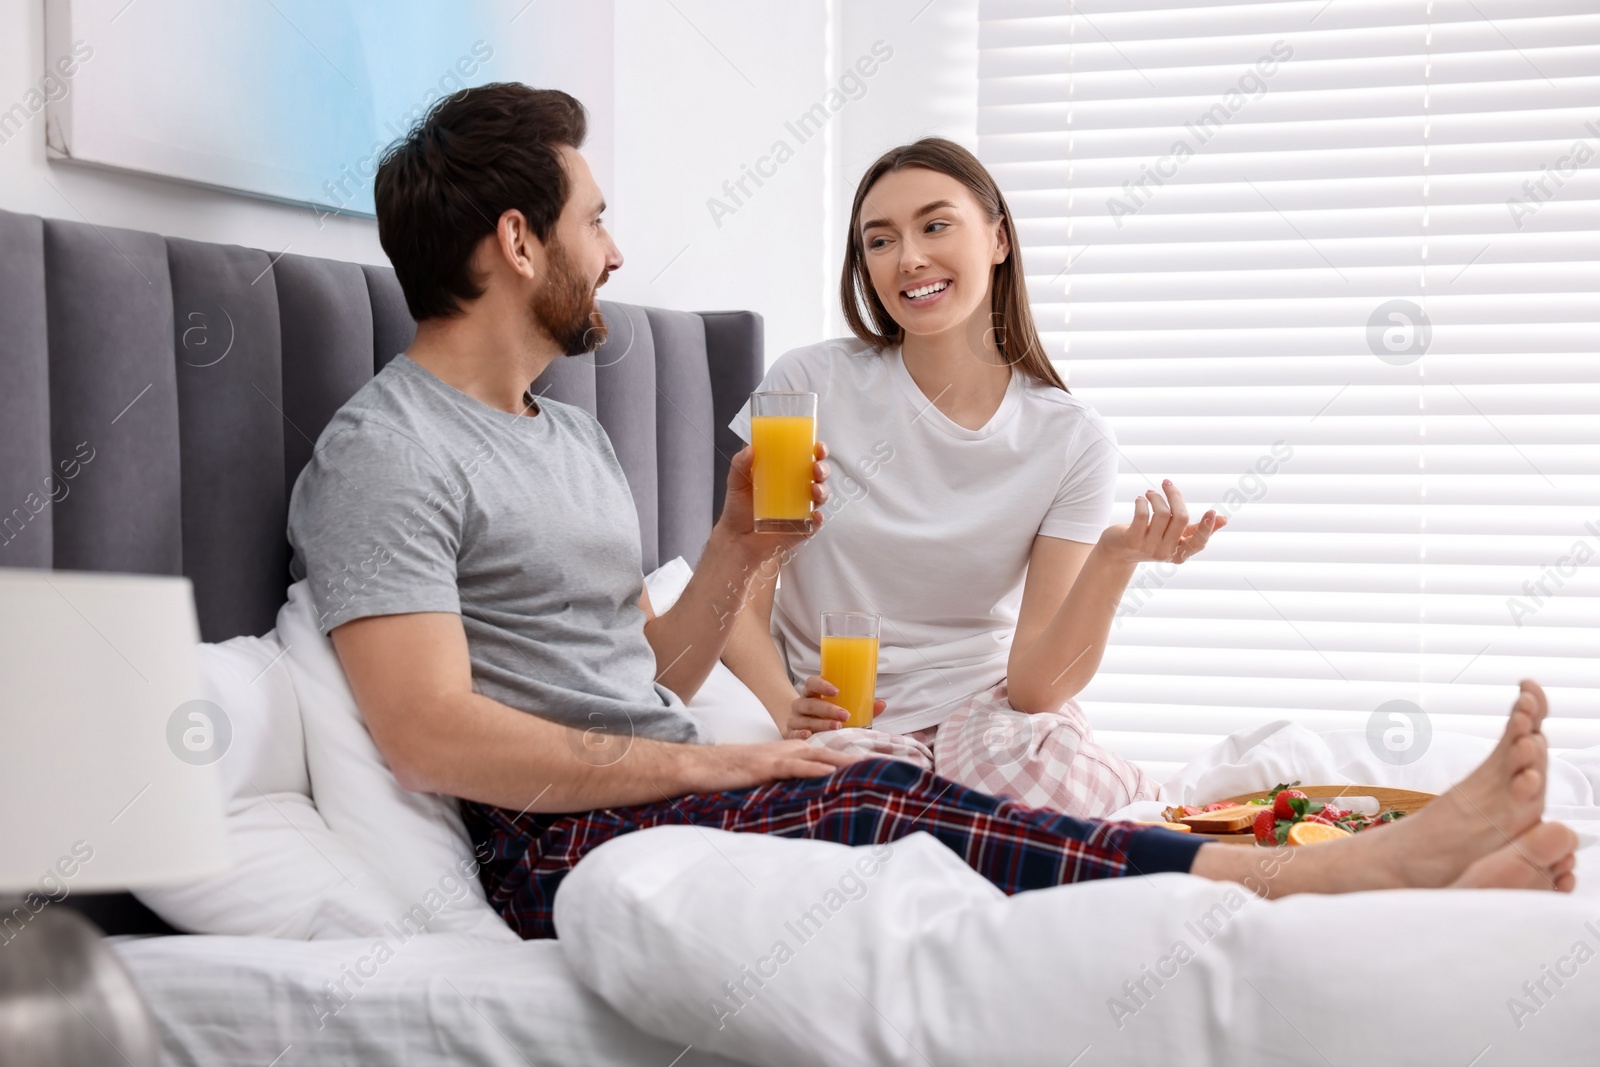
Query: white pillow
[
  {"x": 725, "y": 708},
  {"x": 246, "y": 678},
  {"x": 729, "y": 713},
  {"x": 416, "y": 841},
  {"x": 666, "y": 583},
  {"x": 291, "y": 877}
]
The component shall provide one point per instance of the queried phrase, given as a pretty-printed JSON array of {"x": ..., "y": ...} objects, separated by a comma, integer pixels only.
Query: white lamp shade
[{"x": 92, "y": 669}]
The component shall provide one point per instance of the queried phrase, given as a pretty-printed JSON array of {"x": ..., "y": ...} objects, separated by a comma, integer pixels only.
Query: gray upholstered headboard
[{"x": 158, "y": 398}]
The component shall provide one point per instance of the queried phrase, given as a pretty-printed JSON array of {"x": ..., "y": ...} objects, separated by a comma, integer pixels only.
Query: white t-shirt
[{"x": 930, "y": 524}]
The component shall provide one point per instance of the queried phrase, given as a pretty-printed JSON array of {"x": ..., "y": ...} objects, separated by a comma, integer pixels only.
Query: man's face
[{"x": 579, "y": 256}]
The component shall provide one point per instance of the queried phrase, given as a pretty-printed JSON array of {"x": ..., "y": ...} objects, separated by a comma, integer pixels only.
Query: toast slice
[{"x": 1236, "y": 819}]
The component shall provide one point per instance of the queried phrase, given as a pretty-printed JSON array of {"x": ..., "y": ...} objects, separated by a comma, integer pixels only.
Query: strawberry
[
  {"x": 1218, "y": 805},
  {"x": 1266, "y": 827},
  {"x": 1281, "y": 803}
]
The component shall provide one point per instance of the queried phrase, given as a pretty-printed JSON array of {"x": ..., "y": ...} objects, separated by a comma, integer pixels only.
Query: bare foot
[
  {"x": 1542, "y": 858},
  {"x": 1498, "y": 802},
  {"x": 1456, "y": 840}
]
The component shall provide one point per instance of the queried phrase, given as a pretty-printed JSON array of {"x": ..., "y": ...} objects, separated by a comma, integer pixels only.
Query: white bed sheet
[{"x": 442, "y": 999}]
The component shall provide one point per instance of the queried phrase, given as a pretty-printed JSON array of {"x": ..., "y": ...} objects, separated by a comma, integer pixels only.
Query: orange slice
[{"x": 1313, "y": 833}]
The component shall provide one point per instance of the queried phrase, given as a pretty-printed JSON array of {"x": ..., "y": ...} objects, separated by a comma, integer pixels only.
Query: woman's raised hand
[
  {"x": 811, "y": 714},
  {"x": 1160, "y": 530}
]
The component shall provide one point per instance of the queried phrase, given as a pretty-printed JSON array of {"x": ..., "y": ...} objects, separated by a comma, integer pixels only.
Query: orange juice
[
  {"x": 785, "y": 447},
  {"x": 851, "y": 665}
]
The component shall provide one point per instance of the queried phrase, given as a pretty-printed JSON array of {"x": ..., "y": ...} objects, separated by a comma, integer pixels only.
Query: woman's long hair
[{"x": 1015, "y": 334}]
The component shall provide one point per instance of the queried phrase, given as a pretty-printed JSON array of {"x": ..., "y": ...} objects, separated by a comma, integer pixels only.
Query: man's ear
[{"x": 519, "y": 246}]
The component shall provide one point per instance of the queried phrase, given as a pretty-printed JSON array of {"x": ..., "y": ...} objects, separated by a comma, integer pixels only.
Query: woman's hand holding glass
[
  {"x": 811, "y": 714},
  {"x": 1160, "y": 530}
]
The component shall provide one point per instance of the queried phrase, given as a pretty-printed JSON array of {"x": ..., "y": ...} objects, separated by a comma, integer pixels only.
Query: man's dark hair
[{"x": 440, "y": 190}]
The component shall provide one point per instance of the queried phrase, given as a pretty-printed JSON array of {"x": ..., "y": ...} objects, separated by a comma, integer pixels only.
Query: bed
[{"x": 201, "y": 374}]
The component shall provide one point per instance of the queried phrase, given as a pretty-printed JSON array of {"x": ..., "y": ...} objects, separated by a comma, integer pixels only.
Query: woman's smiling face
[{"x": 930, "y": 249}]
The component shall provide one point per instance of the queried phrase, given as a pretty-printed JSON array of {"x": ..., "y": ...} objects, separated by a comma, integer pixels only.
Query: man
[{"x": 472, "y": 550}]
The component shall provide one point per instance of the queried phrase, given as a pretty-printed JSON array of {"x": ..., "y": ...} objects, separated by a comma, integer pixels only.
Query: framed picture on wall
[{"x": 288, "y": 100}]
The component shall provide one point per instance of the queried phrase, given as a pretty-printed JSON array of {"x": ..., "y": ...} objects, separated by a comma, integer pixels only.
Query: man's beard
[{"x": 564, "y": 307}]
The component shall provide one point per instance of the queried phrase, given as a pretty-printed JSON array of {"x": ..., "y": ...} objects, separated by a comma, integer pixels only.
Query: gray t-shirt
[{"x": 421, "y": 498}]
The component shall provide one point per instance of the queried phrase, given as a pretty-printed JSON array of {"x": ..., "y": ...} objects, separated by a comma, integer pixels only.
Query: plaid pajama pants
[
  {"x": 869, "y": 802},
  {"x": 1047, "y": 760}
]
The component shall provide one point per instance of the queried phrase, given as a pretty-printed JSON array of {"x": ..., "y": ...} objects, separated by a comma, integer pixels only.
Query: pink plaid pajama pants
[{"x": 1048, "y": 760}]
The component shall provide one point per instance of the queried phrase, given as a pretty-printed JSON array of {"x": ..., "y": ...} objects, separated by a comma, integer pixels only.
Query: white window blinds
[{"x": 1333, "y": 268}]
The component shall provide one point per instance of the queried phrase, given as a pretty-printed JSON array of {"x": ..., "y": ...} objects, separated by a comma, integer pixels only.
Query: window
[{"x": 1332, "y": 267}]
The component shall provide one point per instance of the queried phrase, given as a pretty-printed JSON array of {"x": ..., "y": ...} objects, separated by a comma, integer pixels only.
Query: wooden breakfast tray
[{"x": 1406, "y": 800}]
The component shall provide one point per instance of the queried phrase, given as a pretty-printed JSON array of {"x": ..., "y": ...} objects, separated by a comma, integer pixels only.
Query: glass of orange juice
[
  {"x": 783, "y": 432},
  {"x": 850, "y": 662}
]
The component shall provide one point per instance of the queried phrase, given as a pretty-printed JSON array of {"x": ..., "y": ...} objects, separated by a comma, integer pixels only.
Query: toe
[
  {"x": 1528, "y": 751},
  {"x": 1519, "y": 725},
  {"x": 1527, "y": 784},
  {"x": 1539, "y": 704},
  {"x": 1548, "y": 844}
]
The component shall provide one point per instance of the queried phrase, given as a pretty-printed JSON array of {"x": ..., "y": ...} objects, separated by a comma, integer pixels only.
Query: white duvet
[{"x": 782, "y": 952}]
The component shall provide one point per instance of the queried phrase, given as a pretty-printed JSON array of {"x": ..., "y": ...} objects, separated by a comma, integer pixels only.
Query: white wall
[
  {"x": 703, "y": 89},
  {"x": 707, "y": 88},
  {"x": 928, "y": 89},
  {"x": 683, "y": 96}
]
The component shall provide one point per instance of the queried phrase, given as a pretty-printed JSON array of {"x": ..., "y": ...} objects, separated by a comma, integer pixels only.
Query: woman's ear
[{"x": 1002, "y": 242}]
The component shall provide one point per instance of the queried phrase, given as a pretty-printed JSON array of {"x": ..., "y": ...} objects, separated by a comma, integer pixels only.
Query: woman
[{"x": 975, "y": 498}]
